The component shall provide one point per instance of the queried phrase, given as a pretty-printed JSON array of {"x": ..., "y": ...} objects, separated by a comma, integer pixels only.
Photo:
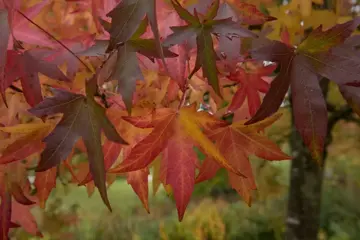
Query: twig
[
  {"x": 183, "y": 97},
  {"x": 16, "y": 89},
  {"x": 55, "y": 39}
]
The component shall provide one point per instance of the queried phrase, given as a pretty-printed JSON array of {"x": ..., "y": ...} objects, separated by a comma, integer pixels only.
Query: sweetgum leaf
[
  {"x": 82, "y": 117},
  {"x": 248, "y": 13},
  {"x": 26, "y": 141},
  {"x": 180, "y": 175},
  {"x": 203, "y": 28},
  {"x": 237, "y": 142},
  {"x": 280, "y": 53},
  {"x": 184, "y": 14},
  {"x": 22, "y": 216},
  {"x": 125, "y": 69},
  {"x": 5, "y": 215},
  {"x": 18, "y": 194},
  {"x": 44, "y": 182},
  {"x": 250, "y": 84},
  {"x": 126, "y": 18},
  {"x": 309, "y": 106},
  {"x": 173, "y": 132},
  {"x": 139, "y": 182},
  {"x": 321, "y": 53},
  {"x": 127, "y": 72},
  {"x": 206, "y": 58},
  {"x": 27, "y": 66}
]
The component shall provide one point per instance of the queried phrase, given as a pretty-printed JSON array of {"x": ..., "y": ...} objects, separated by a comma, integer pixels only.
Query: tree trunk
[{"x": 304, "y": 202}]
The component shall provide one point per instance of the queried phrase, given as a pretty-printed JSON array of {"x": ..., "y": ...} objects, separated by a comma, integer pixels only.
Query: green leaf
[
  {"x": 4, "y": 37},
  {"x": 141, "y": 29},
  {"x": 320, "y": 41},
  {"x": 208, "y": 59},
  {"x": 147, "y": 47},
  {"x": 185, "y": 14},
  {"x": 206, "y": 56},
  {"x": 213, "y": 10}
]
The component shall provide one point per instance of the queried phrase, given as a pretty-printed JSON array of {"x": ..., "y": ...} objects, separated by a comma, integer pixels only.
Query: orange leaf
[
  {"x": 237, "y": 142},
  {"x": 44, "y": 183},
  {"x": 27, "y": 139},
  {"x": 175, "y": 133},
  {"x": 139, "y": 182},
  {"x": 181, "y": 170},
  {"x": 22, "y": 216}
]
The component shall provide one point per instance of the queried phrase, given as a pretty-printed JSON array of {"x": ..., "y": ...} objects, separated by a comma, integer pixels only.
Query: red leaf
[
  {"x": 44, "y": 183},
  {"x": 5, "y": 215},
  {"x": 236, "y": 142},
  {"x": 25, "y": 31},
  {"x": 309, "y": 107},
  {"x": 139, "y": 182},
  {"x": 18, "y": 194},
  {"x": 249, "y": 14},
  {"x": 180, "y": 173},
  {"x": 251, "y": 83},
  {"x": 21, "y": 215}
]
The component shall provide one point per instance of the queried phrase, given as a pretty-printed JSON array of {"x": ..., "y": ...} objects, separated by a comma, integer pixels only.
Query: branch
[
  {"x": 341, "y": 114},
  {"x": 344, "y": 113},
  {"x": 55, "y": 39},
  {"x": 16, "y": 89}
]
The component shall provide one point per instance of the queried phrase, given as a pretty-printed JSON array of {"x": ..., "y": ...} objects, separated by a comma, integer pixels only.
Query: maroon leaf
[
  {"x": 309, "y": 106},
  {"x": 82, "y": 117}
]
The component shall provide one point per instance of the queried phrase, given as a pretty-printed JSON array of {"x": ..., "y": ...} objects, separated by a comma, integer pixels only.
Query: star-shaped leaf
[
  {"x": 251, "y": 84},
  {"x": 27, "y": 67},
  {"x": 126, "y": 18},
  {"x": 126, "y": 64},
  {"x": 322, "y": 53},
  {"x": 82, "y": 118},
  {"x": 174, "y": 132},
  {"x": 237, "y": 142},
  {"x": 203, "y": 28}
]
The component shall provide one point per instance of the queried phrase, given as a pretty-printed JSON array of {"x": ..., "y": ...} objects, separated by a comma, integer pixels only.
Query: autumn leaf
[
  {"x": 22, "y": 216},
  {"x": 139, "y": 182},
  {"x": 126, "y": 18},
  {"x": 237, "y": 142},
  {"x": 27, "y": 66},
  {"x": 44, "y": 182},
  {"x": 173, "y": 131},
  {"x": 180, "y": 171},
  {"x": 176, "y": 66},
  {"x": 251, "y": 84},
  {"x": 301, "y": 67},
  {"x": 5, "y": 216},
  {"x": 26, "y": 139},
  {"x": 125, "y": 63},
  {"x": 82, "y": 117},
  {"x": 202, "y": 30},
  {"x": 248, "y": 13},
  {"x": 18, "y": 194},
  {"x": 12, "y": 194},
  {"x": 23, "y": 30},
  {"x": 111, "y": 149}
]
